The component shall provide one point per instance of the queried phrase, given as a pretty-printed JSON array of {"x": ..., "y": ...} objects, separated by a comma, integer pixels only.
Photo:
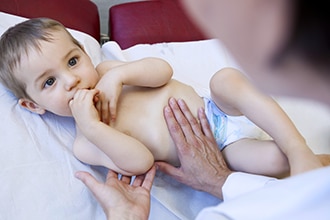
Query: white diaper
[{"x": 228, "y": 129}]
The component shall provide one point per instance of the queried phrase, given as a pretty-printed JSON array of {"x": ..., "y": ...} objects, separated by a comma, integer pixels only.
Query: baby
[{"x": 118, "y": 107}]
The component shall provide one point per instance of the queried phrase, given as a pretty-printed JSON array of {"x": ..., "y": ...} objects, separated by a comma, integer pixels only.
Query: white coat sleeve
[
  {"x": 239, "y": 183},
  {"x": 305, "y": 196},
  {"x": 236, "y": 184}
]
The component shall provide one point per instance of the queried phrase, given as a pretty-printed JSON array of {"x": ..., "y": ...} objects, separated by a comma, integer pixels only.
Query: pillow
[{"x": 36, "y": 162}]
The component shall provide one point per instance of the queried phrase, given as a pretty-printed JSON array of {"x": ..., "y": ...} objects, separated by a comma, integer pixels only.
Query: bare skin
[
  {"x": 152, "y": 133},
  {"x": 119, "y": 198},
  {"x": 231, "y": 21},
  {"x": 137, "y": 134},
  {"x": 195, "y": 142}
]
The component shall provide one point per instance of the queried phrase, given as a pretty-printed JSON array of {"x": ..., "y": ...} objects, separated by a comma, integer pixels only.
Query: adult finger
[
  {"x": 149, "y": 178},
  {"x": 169, "y": 169},
  {"x": 111, "y": 174},
  {"x": 145, "y": 180},
  {"x": 181, "y": 120},
  {"x": 194, "y": 125},
  {"x": 173, "y": 126},
  {"x": 89, "y": 181},
  {"x": 126, "y": 179},
  {"x": 205, "y": 125}
]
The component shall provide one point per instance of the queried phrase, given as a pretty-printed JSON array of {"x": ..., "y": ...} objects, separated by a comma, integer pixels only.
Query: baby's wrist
[{"x": 90, "y": 126}]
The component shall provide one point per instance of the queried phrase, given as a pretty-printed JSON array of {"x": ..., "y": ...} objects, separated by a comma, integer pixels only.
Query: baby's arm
[
  {"x": 235, "y": 95},
  {"x": 147, "y": 72},
  {"x": 115, "y": 149}
]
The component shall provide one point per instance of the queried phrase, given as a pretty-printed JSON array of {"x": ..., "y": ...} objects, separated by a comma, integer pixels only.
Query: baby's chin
[{"x": 63, "y": 113}]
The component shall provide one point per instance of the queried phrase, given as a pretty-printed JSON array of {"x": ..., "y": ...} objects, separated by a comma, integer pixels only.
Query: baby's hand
[
  {"x": 102, "y": 105},
  {"x": 110, "y": 87},
  {"x": 83, "y": 108}
]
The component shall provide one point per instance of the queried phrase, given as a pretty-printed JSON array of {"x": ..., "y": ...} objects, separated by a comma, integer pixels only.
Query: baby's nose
[{"x": 71, "y": 81}]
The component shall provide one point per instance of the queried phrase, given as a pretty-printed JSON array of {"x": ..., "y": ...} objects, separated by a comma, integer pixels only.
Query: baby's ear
[{"x": 31, "y": 106}]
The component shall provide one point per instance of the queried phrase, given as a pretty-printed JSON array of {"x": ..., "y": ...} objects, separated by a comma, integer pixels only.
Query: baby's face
[{"x": 53, "y": 74}]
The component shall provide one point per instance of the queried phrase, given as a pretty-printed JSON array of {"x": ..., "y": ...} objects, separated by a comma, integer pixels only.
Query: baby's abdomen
[{"x": 140, "y": 115}]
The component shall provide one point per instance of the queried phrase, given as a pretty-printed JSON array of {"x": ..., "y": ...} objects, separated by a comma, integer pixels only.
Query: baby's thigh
[
  {"x": 256, "y": 156},
  {"x": 227, "y": 90}
]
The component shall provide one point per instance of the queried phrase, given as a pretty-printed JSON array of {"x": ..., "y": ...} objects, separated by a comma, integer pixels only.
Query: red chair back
[{"x": 80, "y": 15}]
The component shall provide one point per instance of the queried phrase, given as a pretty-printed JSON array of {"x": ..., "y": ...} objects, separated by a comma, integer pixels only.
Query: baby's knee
[
  {"x": 279, "y": 165},
  {"x": 224, "y": 79}
]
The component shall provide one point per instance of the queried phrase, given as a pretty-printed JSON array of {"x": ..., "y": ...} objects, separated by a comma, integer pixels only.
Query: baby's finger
[
  {"x": 113, "y": 108},
  {"x": 83, "y": 94},
  {"x": 105, "y": 112},
  {"x": 103, "y": 108},
  {"x": 98, "y": 106}
]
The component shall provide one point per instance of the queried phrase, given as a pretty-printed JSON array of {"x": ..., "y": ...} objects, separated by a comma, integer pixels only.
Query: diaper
[{"x": 228, "y": 129}]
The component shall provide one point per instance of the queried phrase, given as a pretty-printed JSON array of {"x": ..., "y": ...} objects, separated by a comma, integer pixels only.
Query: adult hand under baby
[
  {"x": 120, "y": 199},
  {"x": 202, "y": 164}
]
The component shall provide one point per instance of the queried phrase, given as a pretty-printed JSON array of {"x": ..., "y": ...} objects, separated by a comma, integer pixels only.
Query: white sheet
[{"x": 37, "y": 166}]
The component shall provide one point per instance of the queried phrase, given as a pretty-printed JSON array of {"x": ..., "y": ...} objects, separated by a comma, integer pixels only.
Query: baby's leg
[
  {"x": 324, "y": 158},
  {"x": 225, "y": 88},
  {"x": 258, "y": 157},
  {"x": 235, "y": 95}
]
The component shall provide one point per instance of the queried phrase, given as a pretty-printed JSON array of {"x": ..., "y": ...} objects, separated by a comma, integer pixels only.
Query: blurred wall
[{"x": 103, "y": 7}]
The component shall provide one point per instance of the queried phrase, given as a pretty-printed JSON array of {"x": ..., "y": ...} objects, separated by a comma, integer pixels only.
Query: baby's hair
[{"x": 19, "y": 40}]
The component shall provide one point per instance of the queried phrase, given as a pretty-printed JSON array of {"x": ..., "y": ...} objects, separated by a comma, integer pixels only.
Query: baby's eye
[
  {"x": 72, "y": 61},
  {"x": 49, "y": 82}
]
